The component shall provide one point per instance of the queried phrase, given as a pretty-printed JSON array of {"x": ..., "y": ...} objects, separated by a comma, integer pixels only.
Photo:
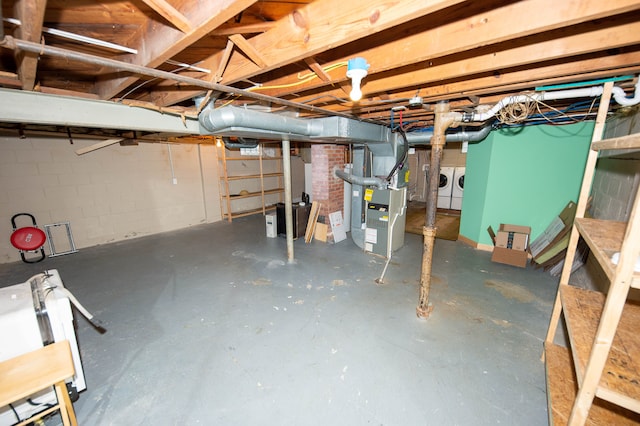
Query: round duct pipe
[
  {"x": 215, "y": 120},
  {"x": 239, "y": 142}
]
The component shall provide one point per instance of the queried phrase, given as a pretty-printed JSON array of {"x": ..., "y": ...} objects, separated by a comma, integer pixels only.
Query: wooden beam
[
  {"x": 10, "y": 80},
  {"x": 98, "y": 145},
  {"x": 514, "y": 81},
  {"x": 244, "y": 29},
  {"x": 290, "y": 39},
  {"x": 325, "y": 24},
  {"x": 64, "y": 92},
  {"x": 478, "y": 31},
  {"x": 31, "y": 14},
  {"x": 253, "y": 54},
  {"x": 459, "y": 36},
  {"x": 224, "y": 60},
  {"x": 170, "y": 13},
  {"x": 156, "y": 45},
  {"x": 315, "y": 67},
  {"x": 571, "y": 46}
]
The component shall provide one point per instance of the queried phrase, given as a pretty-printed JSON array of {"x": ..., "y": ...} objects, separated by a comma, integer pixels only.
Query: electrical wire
[
  {"x": 556, "y": 116},
  {"x": 563, "y": 114},
  {"x": 400, "y": 162},
  {"x": 305, "y": 78},
  {"x": 149, "y": 81},
  {"x": 517, "y": 112}
]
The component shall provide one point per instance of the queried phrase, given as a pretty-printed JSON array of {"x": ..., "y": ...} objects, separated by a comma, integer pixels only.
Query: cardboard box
[{"x": 511, "y": 245}]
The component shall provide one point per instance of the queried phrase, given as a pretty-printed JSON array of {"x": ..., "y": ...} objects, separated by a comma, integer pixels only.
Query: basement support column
[
  {"x": 443, "y": 120},
  {"x": 288, "y": 208}
]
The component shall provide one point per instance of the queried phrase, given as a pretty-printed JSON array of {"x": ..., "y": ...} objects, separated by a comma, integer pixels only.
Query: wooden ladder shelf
[
  {"x": 596, "y": 381},
  {"x": 261, "y": 184}
]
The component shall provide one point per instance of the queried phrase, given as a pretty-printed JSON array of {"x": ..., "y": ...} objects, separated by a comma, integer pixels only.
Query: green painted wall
[{"x": 522, "y": 176}]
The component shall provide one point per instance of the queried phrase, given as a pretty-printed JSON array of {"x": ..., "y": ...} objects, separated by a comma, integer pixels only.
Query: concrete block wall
[
  {"x": 107, "y": 195},
  {"x": 617, "y": 178},
  {"x": 614, "y": 186}
]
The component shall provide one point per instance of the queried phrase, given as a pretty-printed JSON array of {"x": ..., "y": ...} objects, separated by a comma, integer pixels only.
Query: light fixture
[{"x": 356, "y": 71}]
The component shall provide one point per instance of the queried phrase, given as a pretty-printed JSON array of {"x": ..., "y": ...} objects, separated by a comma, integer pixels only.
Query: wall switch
[{"x": 174, "y": 181}]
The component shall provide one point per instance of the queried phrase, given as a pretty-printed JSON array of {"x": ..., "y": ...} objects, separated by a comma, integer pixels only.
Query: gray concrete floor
[{"x": 211, "y": 325}]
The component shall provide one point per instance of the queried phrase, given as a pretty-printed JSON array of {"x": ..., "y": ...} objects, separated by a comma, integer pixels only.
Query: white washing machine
[
  {"x": 458, "y": 188},
  {"x": 445, "y": 187}
]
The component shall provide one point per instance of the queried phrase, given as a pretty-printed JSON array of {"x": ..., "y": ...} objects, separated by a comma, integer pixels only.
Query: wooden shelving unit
[
  {"x": 231, "y": 184},
  {"x": 597, "y": 380}
]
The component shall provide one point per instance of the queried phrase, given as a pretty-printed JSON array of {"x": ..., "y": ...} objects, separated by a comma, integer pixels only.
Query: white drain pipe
[{"x": 588, "y": 92}]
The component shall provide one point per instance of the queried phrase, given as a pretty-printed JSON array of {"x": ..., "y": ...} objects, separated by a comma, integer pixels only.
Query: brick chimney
[{"x": 327, "y": 188}]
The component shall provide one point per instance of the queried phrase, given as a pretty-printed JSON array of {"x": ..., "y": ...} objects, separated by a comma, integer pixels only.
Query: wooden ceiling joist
[
  {"x": 316, "y": 68},
  {"x": 244, "y": 29},
  {"x": 156, "y": 45},
  {"x": 462, "y": 51},
  {"x": 224, "y": 60},
  {"x": 489, "y": 29},
  {"x": 515, "y": 81},
  {"x": 251, "y": 52},
  {"x": 556, "y": 49},
  {"x": 31, "y": 14},
  {"x": 307, "y": 31},
  {"x": 171, "y": 14}
]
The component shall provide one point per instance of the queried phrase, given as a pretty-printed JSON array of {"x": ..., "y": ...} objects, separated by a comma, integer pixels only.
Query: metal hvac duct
[
  {"x": 216, "y": 120},
  {"x": 386, "y": 147},
  {"x": 252, "y": 123}
]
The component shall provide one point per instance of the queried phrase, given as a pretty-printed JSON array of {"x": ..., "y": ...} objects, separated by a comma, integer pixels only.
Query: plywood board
[
  {"x": 321, "y": 232},
  {"x": 621, "y": 374},
  {"x": 561, "y": 392}
]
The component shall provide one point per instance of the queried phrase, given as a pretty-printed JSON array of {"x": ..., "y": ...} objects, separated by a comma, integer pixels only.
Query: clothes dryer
[{"x": 457, "y": 192}]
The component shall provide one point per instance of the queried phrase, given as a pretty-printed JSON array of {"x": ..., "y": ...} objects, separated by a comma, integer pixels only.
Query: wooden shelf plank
[
  {"x": 246, "y": 157},
  {"x": 257, "y": 194},
  {"x": 265, "y": 175},
  {"x": 624, "y": 142},
  {"x": 249, "y": 212},
  {"x": 620, "y": 381},
  {"x": 604, "y": 238},
  {"x": 562, "y": 388}
]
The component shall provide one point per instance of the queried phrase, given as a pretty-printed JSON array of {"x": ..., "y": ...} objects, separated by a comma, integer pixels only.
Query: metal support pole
[
  {"x": 443, "y": 119},
  {"x": 288, "y": 207}
]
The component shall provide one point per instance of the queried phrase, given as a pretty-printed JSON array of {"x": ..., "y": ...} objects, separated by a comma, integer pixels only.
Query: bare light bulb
[
  {"x": 356, "y": 79},
  {"x": 356, "y": 71}
]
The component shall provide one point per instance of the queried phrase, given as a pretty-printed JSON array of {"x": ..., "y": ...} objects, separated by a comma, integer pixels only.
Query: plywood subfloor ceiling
[{"x": 419, "y": 51}]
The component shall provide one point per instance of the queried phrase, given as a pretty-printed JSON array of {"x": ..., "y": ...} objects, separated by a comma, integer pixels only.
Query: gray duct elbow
[
  {"x": 464, "y": 136},
  {"x": 360, "y": 180},
  {"x": 424, "y": 138}
]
